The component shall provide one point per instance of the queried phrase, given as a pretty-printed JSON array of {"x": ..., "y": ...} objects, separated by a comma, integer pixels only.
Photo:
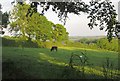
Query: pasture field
[{"x": 41, "y": 63}]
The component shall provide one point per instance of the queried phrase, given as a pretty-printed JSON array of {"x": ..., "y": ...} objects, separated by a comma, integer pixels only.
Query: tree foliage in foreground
[
  {"x": 4, "y": 20},
  {"x": 105, "y": 13},
  {"x": 35, "y": 26},
  {"x": 101, "y": 13}
]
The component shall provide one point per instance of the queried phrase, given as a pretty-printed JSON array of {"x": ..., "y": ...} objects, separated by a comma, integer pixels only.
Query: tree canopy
[
  {"x": 98, "y": 10},
  {"x": 59, "y": 33},
  {"x": 101, "y": 12},
  {"x": 35, "y": 26},
  {"x": 4, "y": 20}
]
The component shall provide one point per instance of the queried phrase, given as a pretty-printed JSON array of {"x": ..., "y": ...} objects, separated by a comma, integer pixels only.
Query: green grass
[{"x": 40, "y": 63}]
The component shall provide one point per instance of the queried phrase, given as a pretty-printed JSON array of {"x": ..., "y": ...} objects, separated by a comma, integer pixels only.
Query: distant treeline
[
  {"x": 101, "y": 43},
  {"x": 18, "y": 42}
]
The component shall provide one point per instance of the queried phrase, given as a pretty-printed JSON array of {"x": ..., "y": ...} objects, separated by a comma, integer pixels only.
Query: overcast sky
[{"x": 75, "y": 25}]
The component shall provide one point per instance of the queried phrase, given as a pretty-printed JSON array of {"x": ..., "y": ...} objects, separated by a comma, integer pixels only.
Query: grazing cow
[{"x": 54, "y": 48}]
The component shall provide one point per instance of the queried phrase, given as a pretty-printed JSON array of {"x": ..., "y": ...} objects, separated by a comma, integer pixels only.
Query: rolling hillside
[{"x": 40, "y": 63}]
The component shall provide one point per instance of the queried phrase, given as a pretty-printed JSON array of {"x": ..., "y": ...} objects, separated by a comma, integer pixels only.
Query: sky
[{"x": 75, "y": 25}]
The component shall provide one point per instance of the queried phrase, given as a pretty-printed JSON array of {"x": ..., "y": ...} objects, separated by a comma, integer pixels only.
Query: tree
[
  {"x": 102, "y": 11},
  {"x": 35, "y": 26},
  {"x": 104, "y": 44},
  {"x": 41, "y": 28},
  {"x": 59, "y": 33},
  {"x": 98, "y": 10},
  {"x": 4, "y": 20},
  {"x": 0, "y": 14},
  {"x": 19, "y": 21},
  {"x": 1, "y": 32},
  {"x": 63, "y": 8}
]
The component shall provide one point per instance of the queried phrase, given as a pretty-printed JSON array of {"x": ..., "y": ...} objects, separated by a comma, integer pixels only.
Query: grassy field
[{"x": 41, "y": 63}]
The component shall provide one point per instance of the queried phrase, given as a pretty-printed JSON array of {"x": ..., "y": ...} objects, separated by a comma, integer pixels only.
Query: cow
[{"x": 54, "y": 48}]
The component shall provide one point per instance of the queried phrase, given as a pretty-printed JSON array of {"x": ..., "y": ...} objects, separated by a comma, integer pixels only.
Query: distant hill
[{"x": 74, "y": 38}]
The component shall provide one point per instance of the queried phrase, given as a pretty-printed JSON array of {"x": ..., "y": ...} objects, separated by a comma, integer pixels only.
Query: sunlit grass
[
  {"x": 51, "y": 59},
  {"x": 40, "y": 62},
  {"x": 88, "y": 70},
  {"x": 75, "y": 48}
]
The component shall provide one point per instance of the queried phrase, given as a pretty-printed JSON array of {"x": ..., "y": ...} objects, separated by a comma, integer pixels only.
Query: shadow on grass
[
  {"x": 10, "y": 71},
  {"x": 50, "y": 71},
  {"x": 40, "y": 66}
]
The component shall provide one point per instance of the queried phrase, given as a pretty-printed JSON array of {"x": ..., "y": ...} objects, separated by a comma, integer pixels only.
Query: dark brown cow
[{"x": 54, "y": 48}]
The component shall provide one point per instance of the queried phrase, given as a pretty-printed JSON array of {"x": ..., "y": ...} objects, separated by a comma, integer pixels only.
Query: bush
[{"x": 15, "y": 42}]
